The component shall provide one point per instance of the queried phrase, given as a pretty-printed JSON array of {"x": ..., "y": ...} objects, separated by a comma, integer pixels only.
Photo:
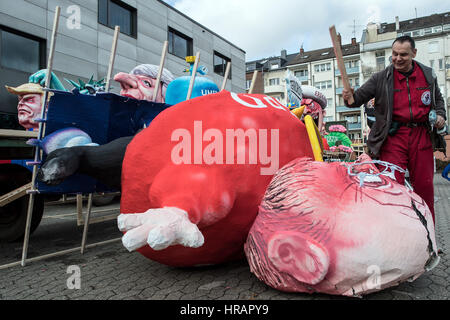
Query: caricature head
[
  {"x": 141, "y": 81},
  {"x": 30, "y": 104}
]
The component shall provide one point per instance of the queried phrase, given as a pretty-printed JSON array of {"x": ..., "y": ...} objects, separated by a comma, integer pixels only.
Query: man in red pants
[{"x": 404, "y": 93}]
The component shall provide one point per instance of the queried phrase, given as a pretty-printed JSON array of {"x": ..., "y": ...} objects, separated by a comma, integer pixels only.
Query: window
[
  {"x": 441, "y": 64},
  {"x": 431, "y": 63},
  {"x": 447, "y": 27},
  {"x": 301, "y": 73},
  {"x": 274, "y": 82},
  {"x": 248, "y": 84},
  {"x": 329, "y": 103},
  {"x": 428, "y": 31},
  {"x": 437, "y": 29},
  {"x": 323, "y": 85},
  {"x": 113, "y": 13},
  {"x": 416, "y": 33},
  {"x": 220, "y": 64},
  {"x": 21, "y": 51},
  {"x": 356, "y": 81},
  {"x": 180, "y": 45},
  {"x": 380, "y": 60},
  {"x": 322, "y": 67},
  {"x": 274, "y": 66}
]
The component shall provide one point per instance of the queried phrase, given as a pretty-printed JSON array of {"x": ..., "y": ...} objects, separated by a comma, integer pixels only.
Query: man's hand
[
  {"x": 440, "y": 122},
  {"x": 347, "y": 94}
]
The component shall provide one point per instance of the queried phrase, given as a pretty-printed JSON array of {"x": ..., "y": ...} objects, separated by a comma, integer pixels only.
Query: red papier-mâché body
[{"x": 192, "y": 181}]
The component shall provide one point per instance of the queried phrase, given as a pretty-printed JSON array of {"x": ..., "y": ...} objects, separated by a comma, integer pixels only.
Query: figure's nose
[{"x": 126, "y": 80}]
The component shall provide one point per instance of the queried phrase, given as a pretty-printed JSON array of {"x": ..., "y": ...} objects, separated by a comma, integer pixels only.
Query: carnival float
[{"x": 219, "y": 176}]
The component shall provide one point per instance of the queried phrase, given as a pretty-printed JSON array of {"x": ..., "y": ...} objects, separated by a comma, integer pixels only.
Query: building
[
  {"x": 85, "y": 36},
  {"x": 271, "y": 76}
]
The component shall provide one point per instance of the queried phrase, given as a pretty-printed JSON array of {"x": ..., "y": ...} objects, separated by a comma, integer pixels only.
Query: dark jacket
[{"x": 381, "y": 86}]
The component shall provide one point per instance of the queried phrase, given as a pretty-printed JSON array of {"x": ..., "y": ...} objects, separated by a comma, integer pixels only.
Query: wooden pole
[
  {"x": 112, "y": 57},
  {"x": 340, "y": 61},
  {"x": 194, "y": 72},
  {"x": 225, "y": 77},
  {"x": 40, "y": 135},
  {"x": 252, "y": 86},
  {"x": 161, "y": 68}
]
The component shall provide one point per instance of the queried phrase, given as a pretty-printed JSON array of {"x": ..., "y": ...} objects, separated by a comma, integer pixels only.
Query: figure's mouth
[
  {"x": 22, "y": 110},
  {"x": 129, "y": 96}
]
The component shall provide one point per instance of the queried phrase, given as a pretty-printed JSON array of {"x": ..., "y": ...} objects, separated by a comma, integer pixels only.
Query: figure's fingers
[
  {"x": 191, "y": 236},
  {"x": 130, "y": 221},
  {"x": 161, "y": 237},
  {"x": 137, "y": 237}
]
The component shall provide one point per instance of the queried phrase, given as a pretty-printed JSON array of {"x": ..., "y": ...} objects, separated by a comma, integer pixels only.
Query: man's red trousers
[{"x": 410, "y": 148}]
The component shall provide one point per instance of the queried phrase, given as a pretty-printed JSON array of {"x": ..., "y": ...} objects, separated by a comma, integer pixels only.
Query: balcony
[
  {"x": 348, "y": 70},
  {"x": 274, "y": 89},
  {"x": 302, "y": 78},
  {"x": 354, "y": 126},
  {"x": 339, "y": 90}
]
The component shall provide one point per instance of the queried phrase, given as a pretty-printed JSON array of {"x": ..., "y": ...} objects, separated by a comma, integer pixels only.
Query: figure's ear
[{"x": 299, "y": 256}]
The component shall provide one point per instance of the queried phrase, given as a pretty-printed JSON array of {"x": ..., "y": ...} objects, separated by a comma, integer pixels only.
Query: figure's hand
[
  {"x": 440, "y": 122},
  {"x": 159, "y": 228},
  {"x": 40, "y": 77}
]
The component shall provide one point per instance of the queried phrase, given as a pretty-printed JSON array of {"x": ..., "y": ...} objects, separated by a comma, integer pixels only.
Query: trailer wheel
[{"x": 13, "y": 216}]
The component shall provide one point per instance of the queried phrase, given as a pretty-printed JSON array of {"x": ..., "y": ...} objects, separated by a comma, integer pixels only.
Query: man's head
[
  {"x": 141, "y": 81},
  {"x": 403, "y": 53},
  {"x": 30, "y": 104}
]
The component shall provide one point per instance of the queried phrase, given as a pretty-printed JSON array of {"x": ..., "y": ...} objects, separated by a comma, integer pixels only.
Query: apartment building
[{"x": 85, "y": 37}]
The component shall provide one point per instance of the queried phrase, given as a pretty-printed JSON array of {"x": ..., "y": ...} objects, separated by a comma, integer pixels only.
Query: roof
[
  {"x": 321, "y": 54},
  {"x": 417, "y": 23}
]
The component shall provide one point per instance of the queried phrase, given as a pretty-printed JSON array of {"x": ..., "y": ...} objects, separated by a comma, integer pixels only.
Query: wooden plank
[
  {"x": 112, "y": 57},
  {"x": 252, "y": 86},
  {"x": 225, "y": 77},
  {"x": 14, "y": 195},
  {"x": 160, "y": 71},
  {"x": 18, "y": 133},
  {"x": 340, "y": 61},
  {"x": 194, "y": 73}
]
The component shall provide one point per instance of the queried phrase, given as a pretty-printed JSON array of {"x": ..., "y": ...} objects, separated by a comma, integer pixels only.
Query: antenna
[
  {"x": 415, "y": 8},
  {"x": 354, "y": 27}
]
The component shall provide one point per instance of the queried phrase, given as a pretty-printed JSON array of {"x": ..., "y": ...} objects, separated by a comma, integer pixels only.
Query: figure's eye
[{"x": 147, "y": 83}]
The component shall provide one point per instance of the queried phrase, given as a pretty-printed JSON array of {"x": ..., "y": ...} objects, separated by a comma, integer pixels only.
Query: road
[{"x": 111, "y": 272}]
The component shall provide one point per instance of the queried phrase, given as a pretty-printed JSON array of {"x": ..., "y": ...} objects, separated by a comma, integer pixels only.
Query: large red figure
[{"x": 192, "y": 181}]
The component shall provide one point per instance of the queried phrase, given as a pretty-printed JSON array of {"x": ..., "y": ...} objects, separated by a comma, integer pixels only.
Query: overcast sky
[{"x": 262, "y": 28}]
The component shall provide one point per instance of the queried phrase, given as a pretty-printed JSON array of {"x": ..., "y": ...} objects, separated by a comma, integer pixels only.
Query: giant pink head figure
[
  {"x": 141, "y": 81},
  {"x": 320, "y": 229}
]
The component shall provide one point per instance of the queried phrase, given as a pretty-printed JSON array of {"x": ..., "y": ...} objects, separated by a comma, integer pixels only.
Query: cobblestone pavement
[{"x": 111, "y": 272}]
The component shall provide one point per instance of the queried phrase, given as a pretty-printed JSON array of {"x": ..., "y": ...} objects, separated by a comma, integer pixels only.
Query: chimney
[
  {"x": 284, "y": 54},
  {"x": 339, "y": 39},
  {"x": 397, "y": 23},
  {"x": 302, "y": 51},
  {"x": 353, "y": 41}
]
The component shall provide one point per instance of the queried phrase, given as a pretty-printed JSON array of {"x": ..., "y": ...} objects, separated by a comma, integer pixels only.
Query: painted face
[
  {"x": 139, "y": 87},
  {"x": 29, "y": 108},
  {"x": 402, "y": 56}
]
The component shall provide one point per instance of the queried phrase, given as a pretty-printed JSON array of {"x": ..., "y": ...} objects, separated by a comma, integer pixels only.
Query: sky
[{"x": 263, "y": 28}]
